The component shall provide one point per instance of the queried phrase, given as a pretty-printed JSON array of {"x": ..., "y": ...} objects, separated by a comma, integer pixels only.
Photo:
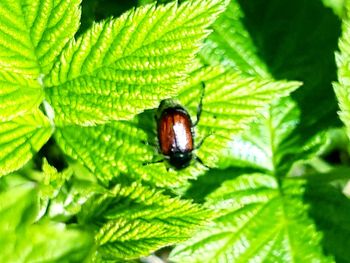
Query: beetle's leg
[
  {"x": 202, "y": 140},
  {"x": 201, "y": 162},
  {"x": 153, "y": 144},
  {"x": 148, "y": 163},
  {"x": 199, "y": 108}
]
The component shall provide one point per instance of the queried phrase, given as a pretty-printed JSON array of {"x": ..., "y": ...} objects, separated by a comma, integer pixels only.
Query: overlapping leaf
[
  {"x": 259, "y": 221},
  {"x": 63, "y": 193},
  {"x": 32, "y": 34},
  {"x": 261, "y": 216},
  {"x": 272, "y": 142},
  {"x": 230, "y": 102},
  {"x": 120, "y": 67},
  {"x": 134, "y": 221},
  {"x": 231, "y": 45},
  {"x": 297, "y": 48},
  {"x": 20, "y": 138},
  {"x": 51, "y": 24},
  {"x": 121, "y": 150}
]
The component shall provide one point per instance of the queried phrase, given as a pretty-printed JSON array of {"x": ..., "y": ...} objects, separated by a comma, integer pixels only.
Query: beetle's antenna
[{"x": 199, "y": 108}]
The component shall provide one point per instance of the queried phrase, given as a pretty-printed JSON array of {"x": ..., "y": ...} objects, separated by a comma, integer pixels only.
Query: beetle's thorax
[{"x": 181, "y": 160}]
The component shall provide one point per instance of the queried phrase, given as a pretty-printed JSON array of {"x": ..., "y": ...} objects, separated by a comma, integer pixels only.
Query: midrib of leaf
[
  {"x": 286, "y": 225},
  {"x": 155, "y": 220},
  {"x": 235, "y": 235},
  {"x": 277, "y": 178},
  {"x": 261, "y": 242},
  {"x": 284, "y": 207},
  {"x": 272, "y": 145}
]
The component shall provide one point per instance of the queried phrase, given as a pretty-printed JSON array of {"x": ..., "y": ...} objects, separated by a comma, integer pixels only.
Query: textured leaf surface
[
  {"x": 32, "y": 34},
  {"x": 298, "y": 48},
  {"x": 51, "y": 24},
  {"x": 23, "y": 241},
  {"x": 120, "y": 150},
  {"x": 20, "y": 138},
  {"x": 230, "y": 103},
  {"x": 262, "y": 217},
  {"x": 134, "y": 221},
  {"x": 231, "y": 45},
  {"x": 18, "y": 95},
  {"x": 272, "y": 142},
  {"x": 120, "y": 67},
  {"x": 342, "y": 88},
  {"x": 260, "y": 221}
]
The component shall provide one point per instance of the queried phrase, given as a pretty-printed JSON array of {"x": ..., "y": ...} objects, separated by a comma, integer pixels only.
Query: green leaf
[
  {"x": 258, "y": 220},
  {"x": 120, "y": 150},
  {"x": 18, "y": 94},
  {"x": 50, "y": 26},
  {"x": 22, "y": 240},
  {"x": 231, "y": 102},
  {"x": 120, "y": 67},
  {"x": 342, "y": 87},
  {"x": 330, "y": 209},
  {"x": 132, "y": 238},
  {"x": 33, "y": 34},
  {"x": 53, "y": 180},
  {"x": 17, "y": 205},
  {"x": 336, "y": 5},
  {"x": 231, "y": 45},
  {"x": 62, "y": 199},
  {"x": 293, "y": 46},
  {"x": 20, "y": 138},
  {"x": 273, "y": 142},
  {"x": 135, "y": 220},
  {"x": 128, "y": 148},
  {"x": 51, "y": 242},
  {"x": 260, "y": 216}
]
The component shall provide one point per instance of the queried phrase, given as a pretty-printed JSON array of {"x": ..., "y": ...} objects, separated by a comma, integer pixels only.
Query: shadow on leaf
[
  {"x": 297, "y": 40},
  {"x": 330, "y": 210}
]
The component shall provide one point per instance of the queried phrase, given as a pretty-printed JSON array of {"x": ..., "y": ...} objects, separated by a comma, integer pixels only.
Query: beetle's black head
[{"x": 180, "y": 160}]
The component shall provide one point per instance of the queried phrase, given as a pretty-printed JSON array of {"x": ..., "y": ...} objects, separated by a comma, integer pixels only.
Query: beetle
[{"x": 175, "y": 131}]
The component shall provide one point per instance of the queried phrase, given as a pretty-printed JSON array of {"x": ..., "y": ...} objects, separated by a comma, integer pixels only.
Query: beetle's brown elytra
[
  {"x": 175, "y": 136},
  {"x": 175, "y": 133}
]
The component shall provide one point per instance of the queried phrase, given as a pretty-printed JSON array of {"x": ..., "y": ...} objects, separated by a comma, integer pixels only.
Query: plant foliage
[
  {"x": 24, "y": 240},
  {"x": 82, "y": 178},
  {"x": 261, "y": 216}
]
